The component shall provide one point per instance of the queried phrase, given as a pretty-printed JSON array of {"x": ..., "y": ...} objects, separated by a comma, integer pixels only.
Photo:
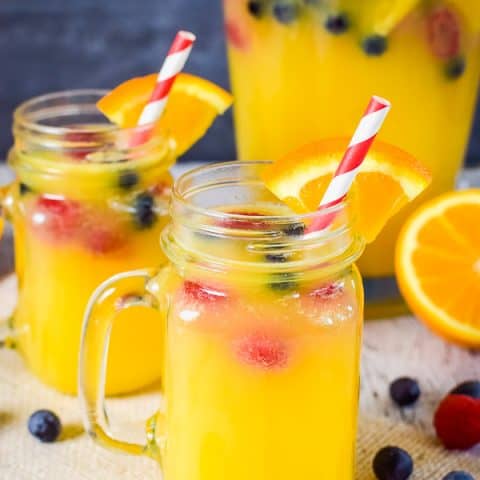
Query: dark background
[{"x": 48, "y": 45}]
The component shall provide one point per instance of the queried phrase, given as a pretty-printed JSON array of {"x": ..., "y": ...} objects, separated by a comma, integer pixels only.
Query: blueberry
[
  {"x": 285, "y": 11},
  {"x": 404, "y": 391},
  {"x": 455, "y": 68},
  {"x": 458, "y": 475},
  {"x": 256, "y": 7},
  {"x": 470, "y": 389},
  {"x": 144, "y": 213},
  {"x": 24, "y": 189},
  {"x": 295, "y": 230},
  {"x": 128, "y": 179},
  {"x": 392, "y": 463},
  {"x": 276, "y": 257},
  {"x": 45, "y": 426},
  {"x": 337, "y": 24},
  {"x": 375, "y": 45},
  {"x": 283, "y": 282}
]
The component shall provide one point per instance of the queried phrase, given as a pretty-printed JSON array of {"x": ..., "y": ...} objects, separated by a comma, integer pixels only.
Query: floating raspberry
[
  {"x": 103, "y": 239},
  {"x": 263, "y": 351},
  {"x": 83, "y": 143},
  {"x": 457, "y": 422},
  {"x": 241, "y": 224},
  {"x": 203, "y": 293},
  {"x": 444, "y": 33},
  {"x": 236, "y": 35},
  {"x": 57, "y": 218},
  {"x": 327, "y": 292}
]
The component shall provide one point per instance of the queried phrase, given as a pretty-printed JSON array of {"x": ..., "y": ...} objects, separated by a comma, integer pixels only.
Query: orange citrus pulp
[
  {"x": 388, "y": 180},
  {"x": 193, "y": 105},
  {"x": 438, "y": 265}
]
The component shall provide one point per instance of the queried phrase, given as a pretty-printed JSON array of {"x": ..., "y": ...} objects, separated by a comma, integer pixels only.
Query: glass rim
[
  {"x": 26, "y": 108},
  {"x": 178, "y": 196}
]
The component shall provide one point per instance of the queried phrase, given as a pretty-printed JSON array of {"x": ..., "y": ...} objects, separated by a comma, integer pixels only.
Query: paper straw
[
  {"x": 351, "y": 163},
  {"x": 174, "y": 63}
]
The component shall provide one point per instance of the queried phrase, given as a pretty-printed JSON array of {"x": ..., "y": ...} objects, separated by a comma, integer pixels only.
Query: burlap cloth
[{"x": 392, "y": 348}]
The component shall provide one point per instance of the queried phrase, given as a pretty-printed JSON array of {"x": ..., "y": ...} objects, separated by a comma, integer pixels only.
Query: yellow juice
[
  {"x": 264, "y": 329},
  {"x": 301, "y": 71},
  {"x": 262, "y": 377},
  {"x": 78, "y": 221}
]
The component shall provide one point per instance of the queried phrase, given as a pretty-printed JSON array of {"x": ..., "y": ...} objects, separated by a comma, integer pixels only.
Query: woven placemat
[
  {"x": 76, "y": 457},
  {"x": 391, "y": 348}
]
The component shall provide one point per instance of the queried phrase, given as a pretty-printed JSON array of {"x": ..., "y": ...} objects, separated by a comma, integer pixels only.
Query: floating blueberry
[
  {"x": 375, "y": 45},
  {"x": 295, "y": 230},
  {"x": 144, "y": 213},
  {"x": 470, "y": 389},
  {"x": 337, "y": 24},
  {"x": 45, "y": 426},
  {"x": 128, "y": 179},
  {"x": 392, "y": 463},
  {"x": 256, "y": 7},
  {"x": 283, "y": 282},
  {"x": 458, "y": 475},
  {"x": 24, "y": 189},
  {"x": 455, "y": 67},
  {"x": 276, "y": 257},
  {"x": 285, "y": 11},
  {"x": 404, "y": 391}
]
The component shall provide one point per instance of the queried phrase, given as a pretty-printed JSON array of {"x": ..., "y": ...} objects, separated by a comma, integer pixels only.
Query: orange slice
[
  {"x": 192, "y": 107},
  {"x": 438, "y": 265},
  {"x": 388, "y": 180}
]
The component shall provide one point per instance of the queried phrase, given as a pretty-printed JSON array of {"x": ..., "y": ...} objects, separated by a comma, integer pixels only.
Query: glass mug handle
[
  {"x": 7, "y": 336},
  {"x": 109, "y": 299},
  {"x": 5, "y": 203}
]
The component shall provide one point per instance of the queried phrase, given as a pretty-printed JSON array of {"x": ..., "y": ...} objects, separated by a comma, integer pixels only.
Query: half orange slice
[
  {"x": 438, "y": 265},
  {"x": 192, "y": 107},
  {"x": 388, "y": 180}
]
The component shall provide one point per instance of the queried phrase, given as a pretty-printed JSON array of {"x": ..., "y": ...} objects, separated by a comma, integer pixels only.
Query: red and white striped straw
[
  {"x": 174, "y": 63},
  {"x": 351, "y": 163}
]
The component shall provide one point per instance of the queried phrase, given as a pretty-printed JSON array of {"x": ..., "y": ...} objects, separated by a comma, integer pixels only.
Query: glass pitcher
[{"x": 301, "y": 71}]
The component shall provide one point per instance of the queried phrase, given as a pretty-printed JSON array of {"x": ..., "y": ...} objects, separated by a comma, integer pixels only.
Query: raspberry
[
  {"x": 241, "y": 224},
  {"x": 327, "y": 292},
  {"x": 57, "y": 218},
  {"x": 444, "y": 33},
  {"x": 162, "y": 189},
  {"x": 202, "y": 293},
  {"x": 236, "y": 35},
  {"x": 84, "y": 144},
  {"x": 262, "y": 351},
  {"x": 457, "y": 422},
  {"x": 103, "y": 239}
]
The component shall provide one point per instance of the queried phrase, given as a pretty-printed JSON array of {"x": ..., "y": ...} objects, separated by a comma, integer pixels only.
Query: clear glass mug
[
  {"x": 263, "y": 336},
  {"x": 302, "y": 70},
  {"x": 85, "y": 204}
]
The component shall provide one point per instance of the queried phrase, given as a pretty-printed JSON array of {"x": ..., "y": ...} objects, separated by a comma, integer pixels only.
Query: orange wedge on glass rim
[
  {"x": 438, "y": 265},
  {"x": 388, "y": 180},
  {"x": 193, "y": 105}
]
